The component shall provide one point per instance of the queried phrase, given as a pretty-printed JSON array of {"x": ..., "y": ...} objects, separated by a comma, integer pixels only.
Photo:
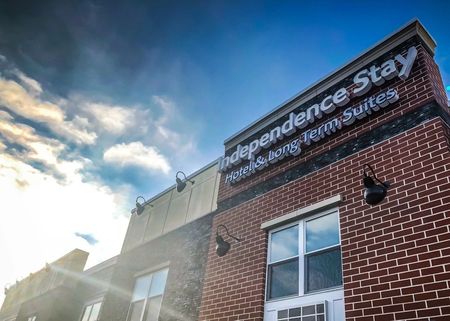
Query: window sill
[{"x": 312, "y": 293}]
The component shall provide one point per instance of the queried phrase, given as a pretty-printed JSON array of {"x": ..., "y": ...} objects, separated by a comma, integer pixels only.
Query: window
[
  {"x": 304, "y": 257},
  {"x": 91, "y": 312},
  {"x": 313, "y": 312},
  {"x": 147, "y": 296}
]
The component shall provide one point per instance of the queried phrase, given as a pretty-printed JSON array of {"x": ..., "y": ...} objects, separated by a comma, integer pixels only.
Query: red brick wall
[
  {"x": 423, "y": 85},
  {"x": 436, "y": 81},
  {"x": 396, "y": 256}
]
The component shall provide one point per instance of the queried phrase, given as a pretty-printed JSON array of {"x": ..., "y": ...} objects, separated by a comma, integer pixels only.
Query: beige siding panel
[
  {"x": 216, "y": 192},
  {"x": 137, "y": 229},
  {"x": 176, "y": 215},
  {"x": 205, "y": 175},
  {"x": 171, "y": 209},
  {"x": 157, "y": 218},
  {"x": 200, "y": 202}
]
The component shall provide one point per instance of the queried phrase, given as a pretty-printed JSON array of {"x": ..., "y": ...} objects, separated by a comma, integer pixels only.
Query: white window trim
[
  {"x": 280, "y": 228},
  {"x": 145, "y": 272},
  {"x": 301, "y": 256},
  {"x": 91, "y": 302},
  {"x": 302, "y": 212},
  {"x": 329, "y": 295},
  {"x": 151, "y": 270}
]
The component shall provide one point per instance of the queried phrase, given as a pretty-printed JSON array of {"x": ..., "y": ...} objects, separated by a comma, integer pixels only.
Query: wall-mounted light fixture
[
  {"x": 373, "y": 193},
  {"x": 181, "y": 184},
  {"x": 222, "y": 246},
  {"x": 141, "y": 206}
]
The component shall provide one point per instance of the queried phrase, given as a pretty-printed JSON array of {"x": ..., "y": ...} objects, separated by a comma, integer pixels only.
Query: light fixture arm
[
  {"x": 226, "y": 229},
  {"x": 185, "y": 178},
  {"x": 139, "y": 197},
  {"x": 140, "y": 206},
  {"x": 385, "y": 184}
]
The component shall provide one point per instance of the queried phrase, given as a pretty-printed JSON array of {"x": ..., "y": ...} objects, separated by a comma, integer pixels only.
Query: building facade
[
  {"x": 48, "y": 294},
  {"x": 285, "y": 209},
  {"x": 292, "y": 189}
]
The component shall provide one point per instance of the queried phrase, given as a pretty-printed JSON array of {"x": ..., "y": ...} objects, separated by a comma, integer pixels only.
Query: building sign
[{"x": 363, "y": 81}]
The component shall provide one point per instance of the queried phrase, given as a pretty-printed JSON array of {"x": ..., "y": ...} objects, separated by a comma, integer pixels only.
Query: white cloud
[
  {"x": 5, "y": 115},
  {"x": 113, "y": 119},
  {"x": 75, "y": 131},
  {"x": 40, "y": 217},
  {"x": 171, "y": 129},
  {"x": 30, "y": 83},
  {"x": 47, "y": 151},
  {"x": 20, "y": 101},
  {"x": 136, "y": 154},
  {"x": 167, "y": 106},
  {"x": 16, "y": 132},
  {"x": 44, "y": 205}
]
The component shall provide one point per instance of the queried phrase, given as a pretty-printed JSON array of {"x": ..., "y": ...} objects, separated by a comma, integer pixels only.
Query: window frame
[
  {"x": 302, "y": 255},
  {"x": 146, "y": 273},
  {"x": 92, "y": 303},
  {"x": 287, "y": 259}
]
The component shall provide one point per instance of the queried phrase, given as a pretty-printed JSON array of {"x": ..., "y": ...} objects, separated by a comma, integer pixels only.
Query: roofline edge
[{"x": 410, "y": 29}]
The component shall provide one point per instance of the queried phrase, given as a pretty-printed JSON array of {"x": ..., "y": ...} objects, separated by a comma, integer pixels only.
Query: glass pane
[
  {"x": 283, "y": 314},
  {"x": 95, "y": 311},
  {"x": 284, "y": 244},
  {"x": 295, "y": 312},
  {"x": 136, "y": 310},
  {"x": 154, "y": 304},
  {"x": 320, "y": 308},
  {"x": 141, "y": 287},
  {"x": 322, "y": 232},
  {"x": 324, "y": 270},
  {"x": 87, "y": 312},
  {"x": 283, "y": 279},
  {"x": 158, "y": 283},
  {"x": 309, "y": 309}
]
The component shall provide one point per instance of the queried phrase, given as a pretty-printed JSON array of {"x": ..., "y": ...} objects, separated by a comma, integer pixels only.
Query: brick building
[
  {"x": 312, "y": 248},
  {"x": 290, "y": 189},
  {"x": 47, "y": 294}
]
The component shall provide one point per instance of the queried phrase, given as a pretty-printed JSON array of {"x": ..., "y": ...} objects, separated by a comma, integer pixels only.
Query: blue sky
[{"x": 100, "y": 103}]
